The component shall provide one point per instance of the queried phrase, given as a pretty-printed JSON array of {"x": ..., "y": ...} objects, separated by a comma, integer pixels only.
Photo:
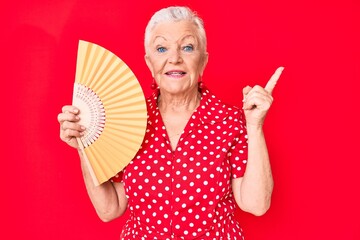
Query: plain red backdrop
[{"x": 312, "y": 129}]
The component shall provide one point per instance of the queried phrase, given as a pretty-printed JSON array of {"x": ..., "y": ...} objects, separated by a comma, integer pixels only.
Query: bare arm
[
  {"x": 108, "y": 199},
  {"x": 253, "y": 191}
]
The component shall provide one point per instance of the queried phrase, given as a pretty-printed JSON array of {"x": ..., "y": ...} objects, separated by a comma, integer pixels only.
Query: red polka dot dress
[{"x": 186, "y": 193}]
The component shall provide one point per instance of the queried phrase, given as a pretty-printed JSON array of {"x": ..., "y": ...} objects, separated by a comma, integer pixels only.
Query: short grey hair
[{"x": 175, "y": 14}]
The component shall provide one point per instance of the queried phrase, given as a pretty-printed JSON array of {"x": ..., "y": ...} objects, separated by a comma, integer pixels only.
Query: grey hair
[{"x": 175, "y": 14}]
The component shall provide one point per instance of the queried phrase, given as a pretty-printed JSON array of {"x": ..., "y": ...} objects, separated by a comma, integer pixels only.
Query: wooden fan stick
[{"x": 87, "y": 162}]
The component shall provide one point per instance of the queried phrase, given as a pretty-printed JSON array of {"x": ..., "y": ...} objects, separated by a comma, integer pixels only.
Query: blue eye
[
  {"x": 188, "y": 48},
  {"x": 161, "y": 49}
]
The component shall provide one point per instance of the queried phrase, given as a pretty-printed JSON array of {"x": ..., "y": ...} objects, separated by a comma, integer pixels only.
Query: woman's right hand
[{"x": 70, "y": 129}]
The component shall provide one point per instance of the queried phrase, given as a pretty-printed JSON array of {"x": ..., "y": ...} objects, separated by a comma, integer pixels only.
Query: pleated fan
[{"x": 112, "y": 108}]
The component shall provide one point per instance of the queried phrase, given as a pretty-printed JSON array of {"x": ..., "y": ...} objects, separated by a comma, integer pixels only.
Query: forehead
[{"x": 174, "y": 31}]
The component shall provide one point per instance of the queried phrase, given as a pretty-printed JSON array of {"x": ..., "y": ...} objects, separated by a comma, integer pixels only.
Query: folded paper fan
[{"x": 112, "y": 108}]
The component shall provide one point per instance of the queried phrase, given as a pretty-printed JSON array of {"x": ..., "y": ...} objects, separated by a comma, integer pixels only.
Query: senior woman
[{"x": 199, "y": 158}]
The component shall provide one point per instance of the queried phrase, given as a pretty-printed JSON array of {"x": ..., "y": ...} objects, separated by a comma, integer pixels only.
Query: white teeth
[{"x": 175, "y": 73}]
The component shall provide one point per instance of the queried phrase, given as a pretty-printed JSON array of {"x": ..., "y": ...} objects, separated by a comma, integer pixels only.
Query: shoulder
[{"x": 223, "y": 111}]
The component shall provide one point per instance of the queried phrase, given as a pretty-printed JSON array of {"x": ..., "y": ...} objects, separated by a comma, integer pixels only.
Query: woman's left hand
[{"x": 257, "y": 100}]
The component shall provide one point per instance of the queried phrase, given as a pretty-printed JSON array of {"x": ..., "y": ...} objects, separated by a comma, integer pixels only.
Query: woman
[{"x": 199, "y": 156}]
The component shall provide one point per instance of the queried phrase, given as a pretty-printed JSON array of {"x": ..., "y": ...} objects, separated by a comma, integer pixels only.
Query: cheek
[
  {"x": 196, "y": 65},
  {"x": 158, "y": 65}
]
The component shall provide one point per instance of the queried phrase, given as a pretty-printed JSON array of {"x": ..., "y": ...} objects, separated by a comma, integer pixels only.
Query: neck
[
  {"x": 174, "y": 103},
  {"x": 176, "y": 112}
]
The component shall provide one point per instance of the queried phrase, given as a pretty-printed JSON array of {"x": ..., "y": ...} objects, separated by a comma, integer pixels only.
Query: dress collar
[{"x": 210, "y": 111}]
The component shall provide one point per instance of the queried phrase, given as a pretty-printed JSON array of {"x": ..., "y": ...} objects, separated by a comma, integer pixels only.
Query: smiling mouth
[{"x": 175, "y": 73}]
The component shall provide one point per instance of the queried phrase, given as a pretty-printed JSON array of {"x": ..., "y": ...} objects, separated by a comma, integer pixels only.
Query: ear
[
  {"x": 204, "y": 62},
  {"x": 148, "y": 63}
]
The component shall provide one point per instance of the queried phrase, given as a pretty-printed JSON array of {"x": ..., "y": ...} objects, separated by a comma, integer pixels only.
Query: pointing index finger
[{"x": 273, "y": 80}]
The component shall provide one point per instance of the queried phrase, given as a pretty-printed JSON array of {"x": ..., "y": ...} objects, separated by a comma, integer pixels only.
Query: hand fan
[{"x": 112, "y": 108}]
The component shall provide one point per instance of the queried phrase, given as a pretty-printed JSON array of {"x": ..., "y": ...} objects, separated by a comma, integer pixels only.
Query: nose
[{"x": 175, "y": 56}]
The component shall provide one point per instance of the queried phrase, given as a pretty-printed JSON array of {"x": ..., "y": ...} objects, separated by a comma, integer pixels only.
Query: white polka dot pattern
[{"x": 186, "y": 193}]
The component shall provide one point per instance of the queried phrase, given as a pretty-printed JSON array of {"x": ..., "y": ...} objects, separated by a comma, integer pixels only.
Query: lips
[{"x": 175, "y": 73}]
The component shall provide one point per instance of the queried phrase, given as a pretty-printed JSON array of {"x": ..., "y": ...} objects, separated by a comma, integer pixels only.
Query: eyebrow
[
  {"x": 159, "y": 37},
  {"x": 182, "y": 39},
  {"x": 189, "y": 36}
]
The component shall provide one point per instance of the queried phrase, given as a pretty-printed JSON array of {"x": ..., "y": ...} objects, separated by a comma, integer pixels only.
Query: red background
[{"x": 312, "y": 129}]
